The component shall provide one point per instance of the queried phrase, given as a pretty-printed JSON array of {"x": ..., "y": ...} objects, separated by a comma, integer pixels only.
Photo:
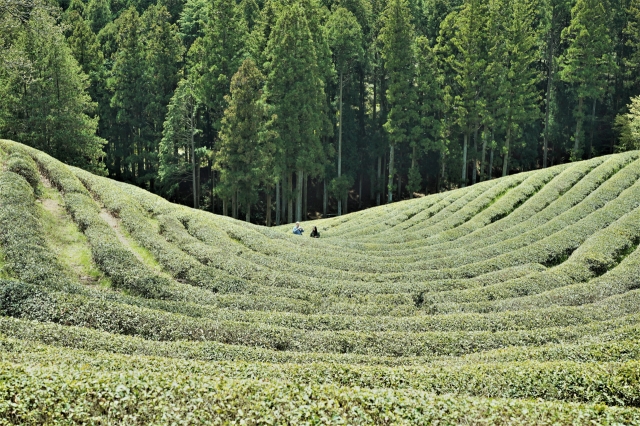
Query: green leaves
[
  {"x": 588, "y": 60},
  {"x": 245, "y": 153},
  {"x": 345, "y": 39},
  {"x": 628, "y": 126},
  {"x": 294, "y": 91},
  {"x": 443, "y": 301},
  {"x": 45, "y": 103}
]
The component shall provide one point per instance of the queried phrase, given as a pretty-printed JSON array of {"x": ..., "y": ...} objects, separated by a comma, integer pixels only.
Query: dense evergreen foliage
[{"x": 361, "y": 102}]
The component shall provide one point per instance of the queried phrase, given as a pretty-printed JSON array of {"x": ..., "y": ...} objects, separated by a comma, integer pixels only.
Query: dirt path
[
  {"x": 115, "y": 225},
  {"x": 45, "y": 181}
]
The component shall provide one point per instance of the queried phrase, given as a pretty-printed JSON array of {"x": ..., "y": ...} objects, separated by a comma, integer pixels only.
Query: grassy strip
[{"x": 68, "y": 243}]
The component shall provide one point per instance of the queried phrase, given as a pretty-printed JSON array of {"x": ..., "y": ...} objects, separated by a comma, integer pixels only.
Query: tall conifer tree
[
  {"x": 219, "y": 55},
  {"x": 515, "y": 54},
  {"x": 162, "y": 53},
  {"x": 180, "y": 141},
  {"x": 345, "y": 40},
  {"x": 462, "y": 47},
  {"x": 588, "y": 59},
  {"x": 244, "y": 152},
  {"x": 429, "y": 87},
  {"x": 130, "y": 89},
  {"x": 397, "y": 37},
  {"x": 295, "y": 92},
  {"x": 43, "y": 92}
]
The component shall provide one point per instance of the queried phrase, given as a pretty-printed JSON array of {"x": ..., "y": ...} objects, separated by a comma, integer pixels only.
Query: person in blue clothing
[{"x": 298, "y": 229}]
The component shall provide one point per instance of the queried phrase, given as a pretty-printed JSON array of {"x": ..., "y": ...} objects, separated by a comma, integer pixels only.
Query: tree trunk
[
  {"x": 305, "y": 197},
  {"x": 198, "y": 186},
  {"x": 391, "y": 173},
  {"x": 505, "y": 163},
  {"x": 593, "y": 125},
  {"x": 234, "y": 204},
  {"x": 340, "y": 145},
  {"x": 283, "y": 198},
  {"x": 225, "y": 207},
  {"x": 464, "y": 159},
  {"x": 490, "y": 171},
  {"x": 372, "y": 188},
  {"x": 474, "y": 171},
  {"x": 576, "y": 146},
  {"x": 399, "y": 187},
  {"x": 414, "y": 163},
  {"x": 248, "y": 214},
  {"x": 213, "y": 187},
  {"x": 300, "y": 179},
  {"x": 290, "y": 199},
  {"x": 268, "y": 206},
  {"x": 441, "y": 180},
  {"x": 379, "y": 183},
  {"x": 193, "y": 169},
  {"x": 360, "y": 193},
  {"x": 325, "y": 197},
  {"x": 484, "y": 152},
  {"x": 545, "y": 148},
  {"x": 277, "y": 203},
  {"x": 385, "y": 176}
]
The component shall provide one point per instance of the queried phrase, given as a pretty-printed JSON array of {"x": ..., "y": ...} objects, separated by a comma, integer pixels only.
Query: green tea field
[{"x": 513, "y": 301}]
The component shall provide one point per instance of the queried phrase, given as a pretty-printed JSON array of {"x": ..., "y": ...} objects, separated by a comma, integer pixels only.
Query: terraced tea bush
[
  {"x": 24, "y": 165},
  {"x": 25, "y": 250},
  {"x": 143, "y": 398},
  {"x": 512, "y": 301}
]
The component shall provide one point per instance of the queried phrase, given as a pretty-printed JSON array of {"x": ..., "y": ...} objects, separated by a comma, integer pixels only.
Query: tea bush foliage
[{"x": 513, "y": 301}]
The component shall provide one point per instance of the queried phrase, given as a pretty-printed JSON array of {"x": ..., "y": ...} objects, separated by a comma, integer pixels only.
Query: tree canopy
[{"x": 339, "y": 104}]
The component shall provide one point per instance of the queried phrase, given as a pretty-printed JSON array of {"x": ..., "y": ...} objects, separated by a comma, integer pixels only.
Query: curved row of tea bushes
[
  {"x": 554, "y": 218},
  {"x": 514, "y": 300},
  {"x": 112, "y": 257},
  {"x": 567, "y": 176},
  {"x": 114, "y": 317},
  {"x": 598, "y": 254},
  {"x": 26, "y": 253},
  {"x": 616, "y": 342},
  {"x": 180, "y": 265},
  {"x": 613, "y": 307},
  {"x": 569, "y": 188},
  {"x": 216, "y": 238},
  {"x": 611, "y": 383},
  {"x": 249, "y": 237},
  {"x": 137, "y": 397},
  {"x": 439, "y": 217}
]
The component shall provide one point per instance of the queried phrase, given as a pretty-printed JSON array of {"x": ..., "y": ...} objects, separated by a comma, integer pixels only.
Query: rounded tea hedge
[{"x": 513, "y": 301}]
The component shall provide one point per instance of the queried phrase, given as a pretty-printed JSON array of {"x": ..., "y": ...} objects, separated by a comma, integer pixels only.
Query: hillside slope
[{"x": 514, "y": 301}]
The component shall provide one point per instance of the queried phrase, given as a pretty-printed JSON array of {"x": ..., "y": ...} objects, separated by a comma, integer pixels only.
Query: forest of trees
[{"x": 274, "y": 110}]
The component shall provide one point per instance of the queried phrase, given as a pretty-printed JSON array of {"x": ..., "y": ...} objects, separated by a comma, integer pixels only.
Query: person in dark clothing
[{"x": 315, "y": 233}]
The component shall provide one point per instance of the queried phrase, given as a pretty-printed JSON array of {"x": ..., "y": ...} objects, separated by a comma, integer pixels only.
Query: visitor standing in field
[{"x": 297, "y": 229}]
